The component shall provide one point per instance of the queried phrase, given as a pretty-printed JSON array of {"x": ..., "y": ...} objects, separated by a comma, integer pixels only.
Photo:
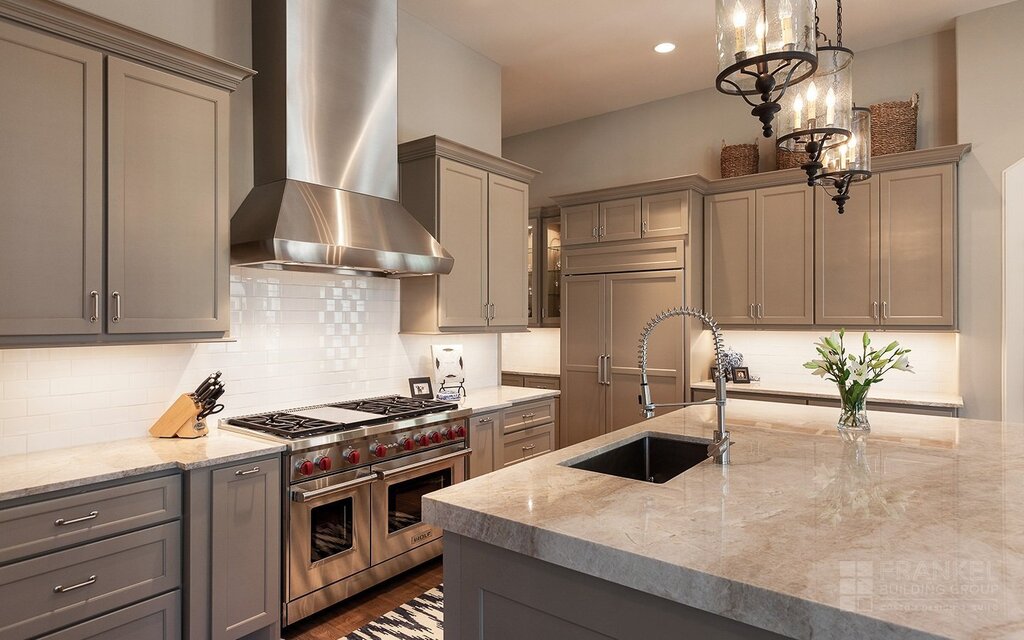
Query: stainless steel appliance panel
[
  {"x": 397, "y": 494},
  {"x": 329, "y": 530}
]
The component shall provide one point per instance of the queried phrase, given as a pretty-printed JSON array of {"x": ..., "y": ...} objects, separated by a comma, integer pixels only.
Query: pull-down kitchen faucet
[{"x": 719, "y": 448}]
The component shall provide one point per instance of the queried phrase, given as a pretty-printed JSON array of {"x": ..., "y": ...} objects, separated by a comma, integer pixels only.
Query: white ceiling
[{"x": 563, "y": 60}]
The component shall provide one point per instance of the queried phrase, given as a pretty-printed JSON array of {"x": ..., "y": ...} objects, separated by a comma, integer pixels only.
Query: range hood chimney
[{"x": 325, "y": 129}]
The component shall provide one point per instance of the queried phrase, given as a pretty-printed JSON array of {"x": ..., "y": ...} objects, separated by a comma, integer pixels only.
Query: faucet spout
[{"x": 719, "y": 449}]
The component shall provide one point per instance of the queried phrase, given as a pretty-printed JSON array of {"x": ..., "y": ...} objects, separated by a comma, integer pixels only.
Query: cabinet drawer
[
  {"x": 528, "y": 444},
  {"x": 155, "y": 619},
  {"x": 522, "y": 416},
  {"x": 50, "y": 524},
  {"x": 511, "y": 380},
  {"x": 640, "y": 255},
  {"x": 68, "y": 586},
  {"x": 541, "y": 382}
]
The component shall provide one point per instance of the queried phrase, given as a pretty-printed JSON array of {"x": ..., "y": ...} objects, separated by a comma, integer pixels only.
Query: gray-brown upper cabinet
[
  {"x": 655, "y": 216},
  {"x": 758, "y": 256},
  {"x": 544, "y": 262},
  {"x": 479, "y": 216},
  {"x": 51, "y": 181},
  {"x": 167, "y": 202},
  {"x": 890, "y": 260},
  {"x": 160, "y": 230}
]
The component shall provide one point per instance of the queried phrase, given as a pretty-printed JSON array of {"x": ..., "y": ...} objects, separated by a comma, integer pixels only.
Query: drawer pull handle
[
  {"x": 61, "y": 522},
  {"x": 485, "y": 420},
  {"x": 62, "y": 589},
  {"x": 530, "y": 447},
  {"x": 247, "y": 472},
  {"x": 528, "y": 416}
]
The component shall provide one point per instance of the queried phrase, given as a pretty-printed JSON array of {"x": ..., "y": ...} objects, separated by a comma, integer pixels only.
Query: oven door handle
[
  {"x": 307, "y": 496},
  {"x": 390, "y": 473}
]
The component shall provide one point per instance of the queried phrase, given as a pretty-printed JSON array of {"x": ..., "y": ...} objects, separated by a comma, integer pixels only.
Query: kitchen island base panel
[{"x": 498, "y": 594}]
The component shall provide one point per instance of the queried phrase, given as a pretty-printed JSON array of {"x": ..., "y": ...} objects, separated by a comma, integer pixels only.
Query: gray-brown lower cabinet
[
  {"x": 233, "y": 560},
  {"x": 484, "y": 428},
  {"x": 158, "y": 618}
]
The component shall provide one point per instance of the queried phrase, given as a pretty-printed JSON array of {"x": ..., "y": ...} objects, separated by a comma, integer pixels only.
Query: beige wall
[
  {"x": 446, "y": 88},
  {"x": 683, "y": 134},
  {"x": 989, "y": 117}
]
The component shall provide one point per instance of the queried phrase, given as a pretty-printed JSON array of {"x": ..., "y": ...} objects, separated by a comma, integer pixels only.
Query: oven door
[
  {"x": 398, "y": 498},
  {"x": 329, "y": 531}
]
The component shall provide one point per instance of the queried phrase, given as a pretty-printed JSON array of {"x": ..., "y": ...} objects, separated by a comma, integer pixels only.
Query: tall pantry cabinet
[
  {"x": 611, "y": 289},
  {"x": 476, "y": 205}
]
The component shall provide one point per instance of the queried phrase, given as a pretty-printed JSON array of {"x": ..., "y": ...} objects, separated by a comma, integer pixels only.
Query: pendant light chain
[{"x": 839, "y": 23}]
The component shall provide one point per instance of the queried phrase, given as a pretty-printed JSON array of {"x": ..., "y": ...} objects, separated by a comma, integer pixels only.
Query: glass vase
[{"x": 853, "y": 418}]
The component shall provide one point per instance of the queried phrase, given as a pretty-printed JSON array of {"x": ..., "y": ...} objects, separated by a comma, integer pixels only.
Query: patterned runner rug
[{"x": 418, "y": 619}]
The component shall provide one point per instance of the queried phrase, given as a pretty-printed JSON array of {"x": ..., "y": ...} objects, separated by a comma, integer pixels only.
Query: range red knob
[
  {"x": 421, "y": 439},
  {"x": 380, "y": 450},
  {"x": 407, "y": 444},
  {"x": 305, "y": 467},
  {"x": 447, "y": 434},
  {"x": 434, "y": 437},
  {"x": 460, "y": 432},
  {"x": 352, "y": 455},
  {"x": 324, "y": 463}
]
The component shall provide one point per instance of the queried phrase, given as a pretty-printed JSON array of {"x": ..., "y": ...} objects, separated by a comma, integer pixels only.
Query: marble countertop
[
  {"x": 494, "y": 398},
  {"x": 22, "y": 475},
  {"x": 917, "y": 533},
  {"x": 544, "y": 373},
  {"x": 917, "y": 398}
]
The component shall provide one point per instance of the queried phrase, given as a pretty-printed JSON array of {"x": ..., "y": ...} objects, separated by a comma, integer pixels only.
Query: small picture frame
[
  {"x": 421, "y": 388},
  {"x": 713, "y": 374},
  {"x": 741, "y": 375}
]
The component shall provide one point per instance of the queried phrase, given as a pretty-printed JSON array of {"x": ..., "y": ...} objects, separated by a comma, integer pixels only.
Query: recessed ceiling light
[{"x": 665, "y": 47}]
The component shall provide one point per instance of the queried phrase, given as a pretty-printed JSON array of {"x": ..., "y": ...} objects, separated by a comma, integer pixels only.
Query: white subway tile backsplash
[
  {"x": 537, "y": 351},
  {"x": 301, "y": 338}
]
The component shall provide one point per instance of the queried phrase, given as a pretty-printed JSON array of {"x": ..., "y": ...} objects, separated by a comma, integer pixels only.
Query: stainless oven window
[
  {"x": 405, "y": 499},
  {"x": 330, "y": 529}
]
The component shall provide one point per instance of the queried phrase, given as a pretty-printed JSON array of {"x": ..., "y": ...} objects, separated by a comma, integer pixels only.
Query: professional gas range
[{"x": 354, "y": 479}]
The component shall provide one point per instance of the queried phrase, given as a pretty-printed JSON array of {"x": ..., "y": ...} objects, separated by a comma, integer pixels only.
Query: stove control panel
[{"x": 333, "y": 458}]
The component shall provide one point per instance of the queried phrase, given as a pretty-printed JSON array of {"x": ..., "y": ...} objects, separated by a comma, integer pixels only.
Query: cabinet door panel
[
  {"x": 246, "y": 534},
  {"x": 729, "y": 257},
  {"x": 917, "y": 246},
  {"x": 463, "y": 231},
  {"x": 483, "y": 429},
  {"x": 168, "y": 217},
  {"x": 666, "y": 214},
  {"x": 620, "y": 220},
  {"x": 785, "y": 255},
  {"x": 846, "y": 258},
  {"x": 551, "y": 276},
  {"x": 51, "y": 180},
  {"x": 506, "y": 253},
  {"x": 632, "y": 300},
  {"x": 580, "y": 223},
  {"x": 583, "y": 343},
  {"x": 534, "y": 267}
]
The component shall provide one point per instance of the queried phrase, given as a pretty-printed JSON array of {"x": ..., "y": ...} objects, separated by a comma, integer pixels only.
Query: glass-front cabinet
[{"x": 544, "y": 255}]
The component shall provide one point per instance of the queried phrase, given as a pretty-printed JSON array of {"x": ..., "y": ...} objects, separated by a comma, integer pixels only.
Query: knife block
[{"x": 180, "y": 420}]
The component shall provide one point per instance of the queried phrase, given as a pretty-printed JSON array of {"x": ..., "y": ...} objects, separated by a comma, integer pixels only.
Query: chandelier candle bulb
[
  {"x": 830, "y": 107},
  {"x": 798, "y": 108},
  {"x": 786, "y": 13},
  {"x": 812, "y": 102},
  {"x": 739, "y": 21}
]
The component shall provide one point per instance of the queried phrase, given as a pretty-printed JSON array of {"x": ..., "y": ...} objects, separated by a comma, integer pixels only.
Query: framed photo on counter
[{"x": 421, "y": 388}]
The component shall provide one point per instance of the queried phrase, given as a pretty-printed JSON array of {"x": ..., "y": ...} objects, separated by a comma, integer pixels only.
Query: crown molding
[{"x": 436, "y": 146}]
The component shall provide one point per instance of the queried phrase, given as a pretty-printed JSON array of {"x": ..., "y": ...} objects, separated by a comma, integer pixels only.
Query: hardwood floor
[{"x": 345, "y": 617}]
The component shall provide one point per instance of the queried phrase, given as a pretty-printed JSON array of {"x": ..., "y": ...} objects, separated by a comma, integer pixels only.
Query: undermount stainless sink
[{"x": 649, "y": 458}]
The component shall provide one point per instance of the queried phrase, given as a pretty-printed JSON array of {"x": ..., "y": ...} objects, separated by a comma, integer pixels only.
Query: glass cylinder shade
[
  {"x": 852, "y": 159},
  {"x": 758, "y": 37},
  {"x": 819, "y": 110}
]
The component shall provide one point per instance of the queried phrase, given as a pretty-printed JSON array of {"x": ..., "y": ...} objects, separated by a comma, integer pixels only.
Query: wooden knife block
[{"x": 180, "y": 420}]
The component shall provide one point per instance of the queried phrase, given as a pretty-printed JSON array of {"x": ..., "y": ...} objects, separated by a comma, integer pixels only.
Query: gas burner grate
[{"x": 390, "y": 408}]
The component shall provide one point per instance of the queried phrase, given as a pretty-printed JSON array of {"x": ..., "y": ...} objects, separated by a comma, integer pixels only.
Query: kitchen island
[{"x": 916, "y": 533}]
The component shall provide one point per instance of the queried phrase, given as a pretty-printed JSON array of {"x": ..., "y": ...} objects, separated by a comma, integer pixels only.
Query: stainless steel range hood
[{"x": 325, "y": 131}]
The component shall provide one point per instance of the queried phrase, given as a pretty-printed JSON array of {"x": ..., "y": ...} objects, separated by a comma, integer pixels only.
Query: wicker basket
[
  {"x": 786, "y": 159},
  {"x": 739, "y": 160},
  {"x": 894, "y": 127}
]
